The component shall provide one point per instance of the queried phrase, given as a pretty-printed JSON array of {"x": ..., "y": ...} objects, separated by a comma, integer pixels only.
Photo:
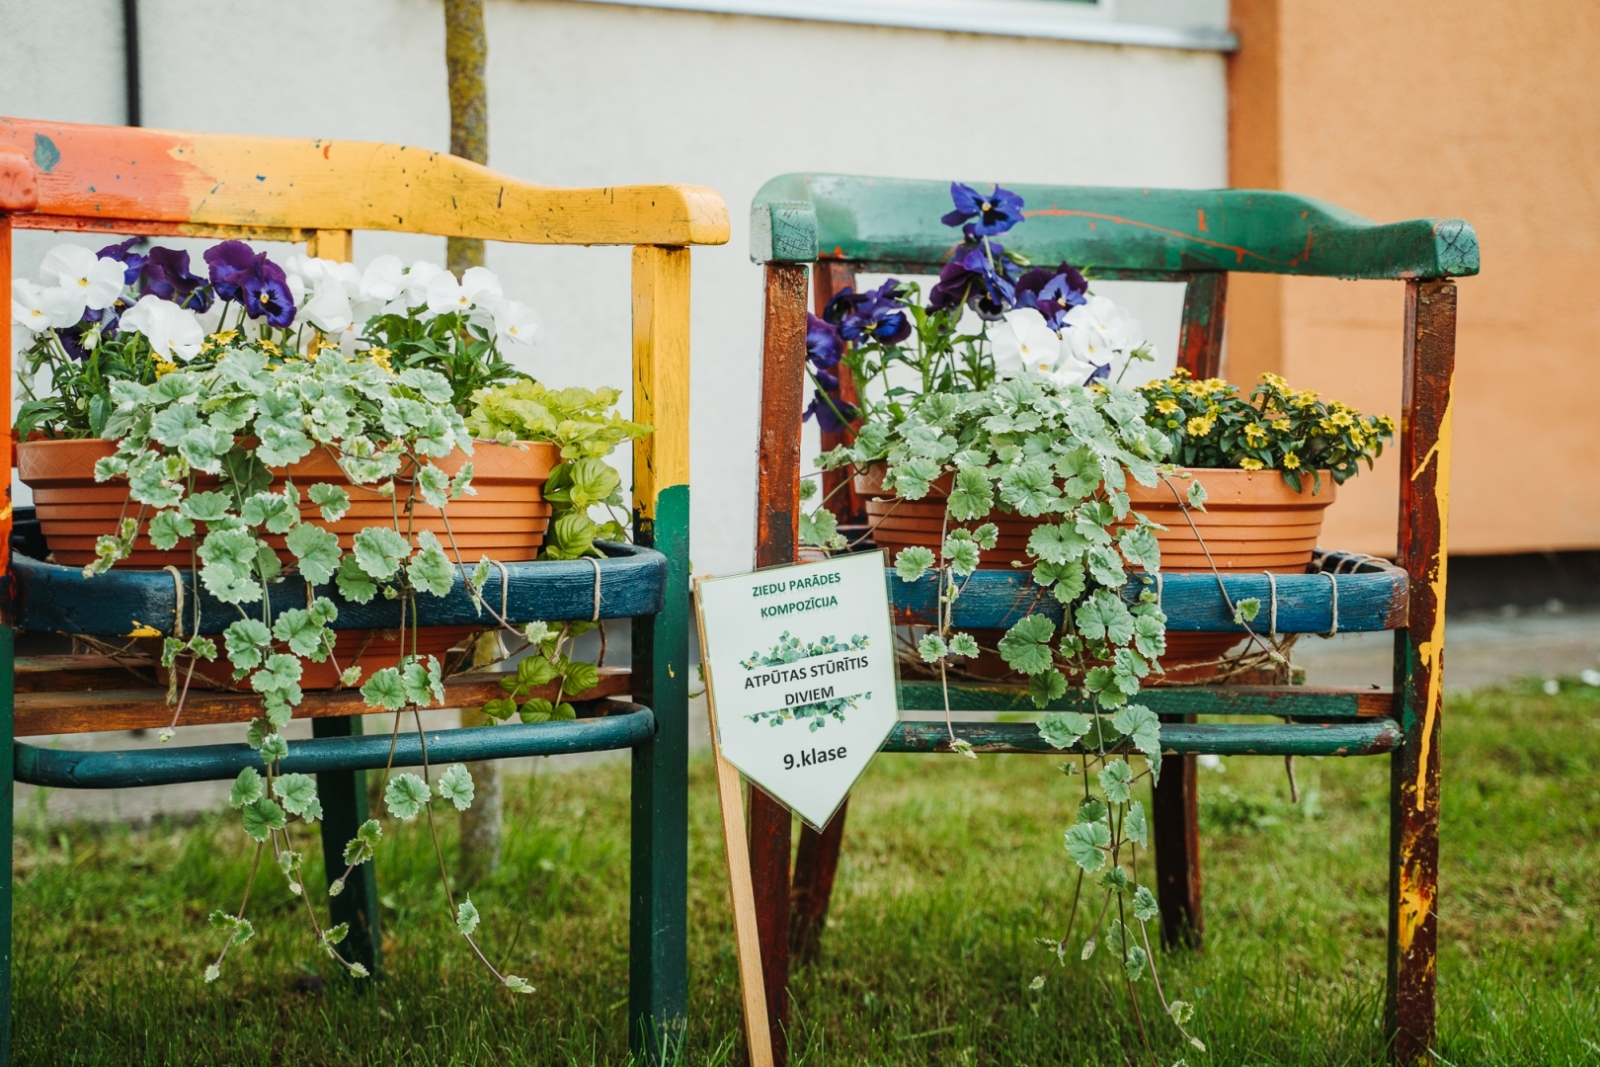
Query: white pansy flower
[
  {"x": 517, "y": 322},
  {"x": 1024, "y": 342},
  {"x": 97, "y": 281},
  {"x": 173, "y": 332},
  {"x": 329, "y": 308},
  {"x": 445, "y": 295},
  {"x": 41, "y": 307},
  {"x": 417, "y": 279},
  {"x": 1102, "y": 334},
  {"x": 481, "y": 286},
  {"x": 382, "y": 281}
]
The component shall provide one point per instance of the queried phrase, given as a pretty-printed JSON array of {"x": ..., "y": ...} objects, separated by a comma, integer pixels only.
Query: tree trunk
[{"x": 466, "y": 51}]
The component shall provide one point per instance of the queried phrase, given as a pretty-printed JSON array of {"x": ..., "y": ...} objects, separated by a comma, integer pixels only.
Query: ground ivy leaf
[
  {"x": 466, "y": 917},
  {"x": 964, "y": 645},
  {"x": 385, "y": 689},
  {"x": 354, "y": 585},
  {"x": 455, "y": 785},
  {"x": 1062, "y": 729},
  {"x": 261, "y": 817},
  {"x": 1116, "y": 779},
  {"x": 932, "y": 648},
  {"x": 334, "y": 500},
  {"x": 406, "y": 796},
  {"x": 430, "y": 570},
  {"x": 296, "y": 791},
  {"x": 378, "y": 551},
  {"x": 1145, "y": 906},
  {"x": 912, "y": 563},
  {"x": 317, "y": 551},
  {"x": 245, "y": 638},
  {"x": 1135, "y": 825},
  {"x": 246, "y": 789},
  {"x": 1046, "y": 686},
  {"x": 1026, "y": 646},
  {"x": 1084, "y": 843}
]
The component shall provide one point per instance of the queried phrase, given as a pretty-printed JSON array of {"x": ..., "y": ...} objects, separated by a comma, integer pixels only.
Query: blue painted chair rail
[
  {"x": 1368, "y": 738},
  {"x": 1368, "y": 600},
  {"x": 201, "y": 763},
  {"x": 50, "y": 597}
]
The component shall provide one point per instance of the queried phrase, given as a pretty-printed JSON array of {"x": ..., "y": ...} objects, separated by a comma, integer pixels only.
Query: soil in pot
[{"x": 1253, "y": 522}]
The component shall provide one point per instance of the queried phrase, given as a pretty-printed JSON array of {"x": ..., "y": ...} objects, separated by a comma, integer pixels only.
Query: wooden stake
[{"x": 746, "y": 937}]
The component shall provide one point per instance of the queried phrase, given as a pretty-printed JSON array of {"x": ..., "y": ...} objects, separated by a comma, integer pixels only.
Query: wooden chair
[
  {"x": 840, "y": 225},
  {"x": 105, "y": 180}
]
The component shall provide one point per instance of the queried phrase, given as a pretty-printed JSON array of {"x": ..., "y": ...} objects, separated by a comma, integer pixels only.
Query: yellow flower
[
  {"x": 164, "y": 367},
  {"x": 1342, "y": 419},
  {"x": 1166, "y": 407},
  {"x": 1255, "y": 433},
  {"x": 1200, "y": 425},
  {"x": 269, "y": 347},
  {"x": 1250, "y": 463},
  {"x": 380, "y": 356},
  {"x": 1291, "y": 461}
]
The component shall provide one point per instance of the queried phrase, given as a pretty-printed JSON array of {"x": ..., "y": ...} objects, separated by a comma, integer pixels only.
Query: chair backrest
[
  {"x": 892, "y": 224},
  {"x": 107, "y": 179}
]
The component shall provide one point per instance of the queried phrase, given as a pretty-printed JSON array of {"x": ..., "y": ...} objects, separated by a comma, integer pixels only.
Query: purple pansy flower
[
  {"x": 824, "y": 346},
  {"x": 251, "y": 279},
  {"x": 971, "y": 278},
  {"x": 1052, "y": 293},
  {"x": 166, "y": 274},
  {"x": 876, "y": 316},
  {"x": 229, "y": 262},
  {"x": 822, "y": 408},
  {"x": 995, "y": 213},
  {"x": 132, "y": 262}
]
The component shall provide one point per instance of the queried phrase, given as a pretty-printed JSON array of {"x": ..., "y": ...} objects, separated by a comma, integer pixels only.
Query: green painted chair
[
  {"x": 98, "y": 180},
  {"x": 834, "y": 226}
]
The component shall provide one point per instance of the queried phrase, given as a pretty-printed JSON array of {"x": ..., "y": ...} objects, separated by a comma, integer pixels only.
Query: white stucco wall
[{"x": 592, "y": 94}]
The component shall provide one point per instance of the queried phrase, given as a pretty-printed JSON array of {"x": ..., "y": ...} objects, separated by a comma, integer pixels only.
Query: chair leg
[
  {"x": 816, "y": 863},
  {"x": 658, "y": 979},
  {"x": 1175, "y": 815},
  {"x": 344, "y": 809},
  {"x": 7, "y": 814}
]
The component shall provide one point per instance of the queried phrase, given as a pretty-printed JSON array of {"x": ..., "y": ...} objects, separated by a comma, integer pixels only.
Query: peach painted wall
[{"x": 1482, "y": 110}]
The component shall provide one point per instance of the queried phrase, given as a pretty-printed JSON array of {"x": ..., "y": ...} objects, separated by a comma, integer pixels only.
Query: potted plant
[
  {"x": 993, "y": 429},
  {"x": 310, "y": 418}
]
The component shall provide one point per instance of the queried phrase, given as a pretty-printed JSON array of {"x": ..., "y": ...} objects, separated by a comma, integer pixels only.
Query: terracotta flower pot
[
  {"x": 1253, "y": 522},
  {"x": 506, "y": 520}
]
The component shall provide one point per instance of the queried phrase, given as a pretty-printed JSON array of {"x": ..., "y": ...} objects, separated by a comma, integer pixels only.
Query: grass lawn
[{"x": 950, "y": 870}]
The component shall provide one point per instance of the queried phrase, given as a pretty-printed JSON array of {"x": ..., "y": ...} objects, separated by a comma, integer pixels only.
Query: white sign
[{"x": 800, "y": 664}]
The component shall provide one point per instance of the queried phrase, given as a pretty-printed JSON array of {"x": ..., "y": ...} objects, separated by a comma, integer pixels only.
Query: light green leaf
[
  {"x": 1150, "y": 635},
  {"x": 1046, "y": 686},
  {"x": 518, "y": 985},
  {"x": 1135, "y": 825},
  {"x": 987, "y": 536},
  {"x": 245, "y": 640},
  {"x": 1062, "y": 729},
  {"x": 1197, "y": 495},
  {"x": 1030, "y": 488},
  {"x": 1140, "y": 547},
  {"x": 297, "y": 791},
  {"x": 316, "y": 549},
  {"x": 303, "y": 633},
  {"x": 971, "y": 497},
  {"x": 385, "y": 690},
  {"x": 274, "y": 747},
  {"x": 334, "y": 500},
  {"x": 455, "y": 785},
  {"x": 1133, "y": 964},
  {"x": 1092, "y": 809},
  {"x": 1246, "y": 610},
  {"x": 964, "y": 645},
  {"x": 360, "y": 848},
  {"x": 430, "y": 569},
  {"x": 1104, "y": 617},
  {"x": 205, "y": 507},
  {"x": 167, "y": 527},
  {"x": 1145, "y": 905},
  {"x": 405, "y": 796},
  {"x": 247, "y": 788},
  {"x": 1143, "y": 726},
  {"x": 466, "y": 917},
  {"x": 434, "y": 485},
  {"x": 819, "y": 528},
  {"x": 912, "y": 563},
  {"x": 354, "y": 585},
  {"x": 1116, "y": 779},
  {"x": 261, "y": 817},
  {"x": 932, "y": 648},
  {"x": 1059, "y": 544},
  {"x": 379, "y": 550},
  {"x": 1084, "y": 843},
  {"x": 1026, "y": 646},
  {"x": 961, "y": 554}
]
